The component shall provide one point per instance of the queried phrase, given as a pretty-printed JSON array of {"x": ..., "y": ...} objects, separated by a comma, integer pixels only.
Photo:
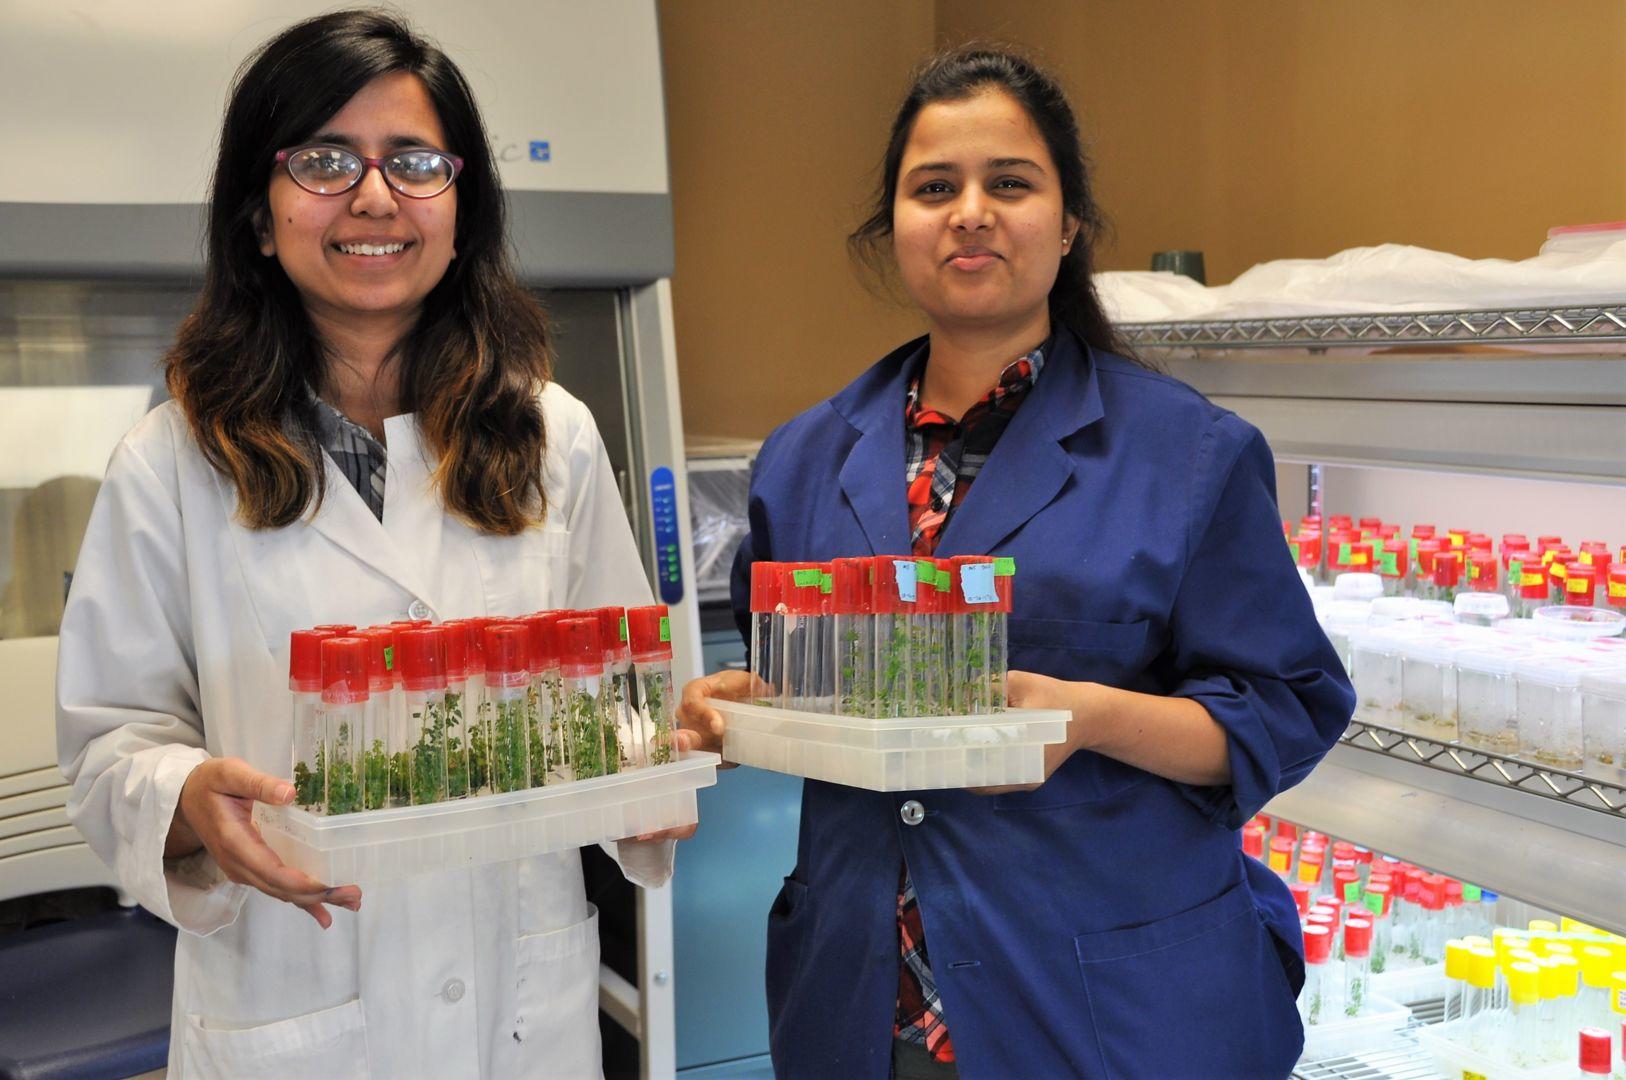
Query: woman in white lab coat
[{"x": 362, "y": 429}]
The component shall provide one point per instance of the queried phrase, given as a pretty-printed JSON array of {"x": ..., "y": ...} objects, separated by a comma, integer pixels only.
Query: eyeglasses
[{"x": 419, "y": 172}]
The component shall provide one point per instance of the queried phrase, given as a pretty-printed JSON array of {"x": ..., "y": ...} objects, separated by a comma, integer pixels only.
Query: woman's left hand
[
  {"x": 1025, "y": 690},
  {"x": 686, "y": 741}
]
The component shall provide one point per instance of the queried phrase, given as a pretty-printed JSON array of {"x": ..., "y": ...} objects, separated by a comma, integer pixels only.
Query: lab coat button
[
  {"x": 452, "y": 991},
  {"x": 912, "y": 812},
  {"x": 417, "y": 610}
]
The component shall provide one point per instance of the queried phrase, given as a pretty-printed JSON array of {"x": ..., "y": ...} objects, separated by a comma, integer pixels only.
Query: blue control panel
[{"x": 668, "y": 563}]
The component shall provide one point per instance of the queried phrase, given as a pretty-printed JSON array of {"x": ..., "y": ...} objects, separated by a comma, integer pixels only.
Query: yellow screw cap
[
  {"x": 1543, "y": 926},
  {"x": 1474, "y": 941},
  {"x": 1524, "y": 983},
  {"x": 1482, "y": 968},
  {"x": 1560, "y": 948},
  {"x": 1456, "y": 960},
  {"x": 1595, "y": 966},
  {"x": 1569, "y": 974}
]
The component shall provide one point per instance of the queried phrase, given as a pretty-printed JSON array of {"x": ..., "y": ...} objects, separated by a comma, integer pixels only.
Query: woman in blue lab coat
[{"x": 1105, "y": 922}]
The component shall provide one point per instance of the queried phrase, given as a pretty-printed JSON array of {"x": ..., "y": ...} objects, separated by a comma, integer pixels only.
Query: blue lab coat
[{"x": 1106, "y": 924}]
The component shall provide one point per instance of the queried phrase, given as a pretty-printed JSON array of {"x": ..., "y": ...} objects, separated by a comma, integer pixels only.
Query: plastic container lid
[
  {"x": 508, "y": 652},
  {"x": 765, "y": 586},
  {"x": 1429, "y": 649},
  {"x": 1482, "y": 967},
  {"x": 1379, "y": 896},
  {"x": 380, "y": 658},
  {"x": 1524, "y": 983},
  {"x": 475, "y": 631},
  {"x": 1345, "y": 615},
  {"x": 1595, "y": 1047},
  {"x": 612, "y": 632},
  {"x": 1358, "y": 937},
  {"x": 1597, "y": 966},
  {"x": 345, "y": 679},
  {"x": 1495, "y": 658},
  {"x": 1481, "y": 605},
  {"x": 580, "y": 650},
  {"x": 801, "y": 588},
  {"x": 893, "y": 584},
  {"x": 341, "y": 629},
  {"x": 1357, "y": 586},
  {"x": 1394, "y": 559},
  {"x": 421, "y": 656},
  {"x": 1301, "y": 896},
  {"x": 1550, "y": 669},
  {"x": 540, "y": 652},
  {"x": 1287, "y": 829},
  {"x": 457, "y": 650},
  {"x": 305, "y": 660},
  {"x": 650, "y": 628},
  {"x": 849, "y": 587},
  {"x": 1385, "y": 640},
  {"x": 1253, "y": 841},
  {"x": 1317, "y": 944},
  {"x": 1607, "y": 682}
]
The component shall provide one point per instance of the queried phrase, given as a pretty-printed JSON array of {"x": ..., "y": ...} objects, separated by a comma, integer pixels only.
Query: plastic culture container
[
  {"x": 650, "y": 631},
  {"x": 507, "y": 650},
  {"x": 1480, "y": 608},
  {"x": 581, "y": 671},
  {"x": 1379, "y": 901},
  {"x": 305, "y": 686},
  {"x": 1340, "y": 620},
  {"x": 542, "y": 665},
  {"x": 893, "y": 597},
  {"x": 981, "y": 602},
  {"x": 852, "y": 636},
  {"x": 1281, "y": 856},
  {"x": 767, "y": 632},
  {"x": 1482, "y": 572},
  {"x": 928, "y": 668},
  {"x": 619, "y": 706},
  {"x": 1548, "y": 707},
  {"x": 377, "y": 727},
  {"x": 1480, "y": 1004},
  {"x": 1595, "y": 1047},
  {"x": 801, "y": 586},
  {"x": 1581, "y": 585},
  {"x": 1306, "y": 551},
  {"x": 1603, "y": 722},
  {"x": 1487, "y": 717},
  {"x": 1394, "y": 566},
  {"x": 1374, "y": 656},
  {"x": 422, "y": 658},
  {"x": 1448, "y": 575},
  {"x": 1357, "y": 964},
  {"x": 344, "y": 708},
  {"x": 1596, "y": 968},
  {"x": 1427, "y": 705},
  {"x": 468, "y": 718},
  {"x": 1358, "y": 584},
  {"x": 1319, "y": 1001}
]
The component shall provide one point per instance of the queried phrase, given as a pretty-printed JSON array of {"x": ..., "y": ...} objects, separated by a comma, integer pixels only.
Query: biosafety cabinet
[{"x": 112, "y": 113}]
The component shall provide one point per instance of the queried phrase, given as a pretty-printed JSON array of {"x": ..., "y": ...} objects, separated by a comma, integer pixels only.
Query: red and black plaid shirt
[{"x": 942, "y": 457}]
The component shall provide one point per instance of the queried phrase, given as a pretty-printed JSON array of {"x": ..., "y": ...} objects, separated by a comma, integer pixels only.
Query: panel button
[
  {"x": 417, "y": 610},
  {"x": 912, "y": 812},
  {"x": 452, "y": 991}
]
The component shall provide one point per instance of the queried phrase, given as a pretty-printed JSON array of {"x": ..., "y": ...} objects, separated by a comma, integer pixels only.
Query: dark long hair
[
  {"x": 247, "y": 361},
  {"x": 960, "y": 73}
]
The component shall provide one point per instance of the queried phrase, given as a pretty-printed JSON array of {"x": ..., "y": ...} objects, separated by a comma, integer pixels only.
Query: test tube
[
  {"x": 581, "y": 670},
  {"x": 305, "y": 684},
  {"x": 799, "y": 633},
  {"x": 943, "y": 638},
  {"x": 468, "y": 730},
  {"x": 923, "y": 673},
  {"x": 376, "y": 735},
  {"x": 973, "y": 604},
  {"x": 649, "y": 631},
  {"x": 344, "y": 706},
  {"x": 1357, "y": 964},
  {"x": 1314, "y": 1004},
  {"x": 893, "y": 591},
  {"x": 767, "y": 632},
  {"x": 423, "y": 681},
  {"x": 507, "y": 649},
  {"x": 553, "y": 690},
  {"x": 621, "y": 747},
  {"x": 472, "y": 760},
  {"x": 1478, "y": 1015},
  {"x": 999, "y": 630},
  {"x": 852, "y": 635},
  {"x": 822, "y": 662},
  {"x": 1457, "y": 959},
  {"x": 539, "y": 658}
]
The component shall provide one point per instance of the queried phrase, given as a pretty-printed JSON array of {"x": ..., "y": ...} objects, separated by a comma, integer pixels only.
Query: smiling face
[
  {"x": 977, "y": 219},
  {"x": 370, "y": 252}
]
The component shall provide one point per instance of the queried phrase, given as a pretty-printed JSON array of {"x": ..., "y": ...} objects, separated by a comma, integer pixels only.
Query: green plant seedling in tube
[
  {"x": 305, "y": 685},
  {"x": 999, "y": 632},
  {"x": 344, "y": 706},
  {"x": 507, "y": 651},
  {"x": 649, "y": 630},
  {"x": 581, "y": 669},
  {"x": 375, "y": 752},
  {"x": 800, "y": 585},
  {"x": 422, "y": 656},
  {"x": 543, "y": 666},
  {"x": 975, "y": 606},
  {"x": 852, "y": 636},
  {"x": 553, "y": 691},
  {"x": 621, "y": 744}
]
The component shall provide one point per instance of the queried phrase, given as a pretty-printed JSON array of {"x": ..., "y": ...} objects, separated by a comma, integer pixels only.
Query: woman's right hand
[
  {"x": 216, "y": 812},
  {"x": 695, "y": 713}
]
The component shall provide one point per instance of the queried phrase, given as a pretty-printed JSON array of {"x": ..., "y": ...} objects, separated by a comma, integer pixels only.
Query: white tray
[
  {"x": 384, "y": 845},
  {"x": 903, "y": 754},
  {"x": 1412, "y": 984},
  {"x": 1455, "y": 1059},
  {"x": 1372, "y": 1030}
]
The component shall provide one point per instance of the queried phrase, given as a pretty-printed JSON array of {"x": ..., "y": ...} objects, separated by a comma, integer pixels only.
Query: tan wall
[{"x": 1250, "y": 130}]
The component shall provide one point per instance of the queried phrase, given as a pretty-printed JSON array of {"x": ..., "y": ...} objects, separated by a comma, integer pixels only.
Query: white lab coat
[{"x": 174, "y": 648}]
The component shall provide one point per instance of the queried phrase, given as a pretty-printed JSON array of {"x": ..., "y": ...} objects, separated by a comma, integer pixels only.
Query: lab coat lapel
[
  {"x": 1028, "y": 466},
  {"x": 345, "y": 520},
  {"x": 872, "y": 475}
]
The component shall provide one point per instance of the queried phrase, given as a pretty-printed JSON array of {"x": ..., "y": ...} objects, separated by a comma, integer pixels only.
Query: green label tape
[
  {"x": 1352, "y": 892},
  {"x": 623, "y": 628},
  {"x": 389, "y": 658},
  {"x": 1345, "y": 554},
  {"x": 1374, "y": 903},
  {"x": 1294, "y": 548},
  {"x": 806, "y": 579},
  {"x": 1005, "y": 566},
  {"x": 1413, "y": 542},
  {"x": 826, "y": 583},
  {"x": 666, "y": 628},
  {"x": 1389, "y": 562}
]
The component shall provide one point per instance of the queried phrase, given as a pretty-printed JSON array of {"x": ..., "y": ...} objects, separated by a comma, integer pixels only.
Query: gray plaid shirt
[{"x": 357, "y": 454}]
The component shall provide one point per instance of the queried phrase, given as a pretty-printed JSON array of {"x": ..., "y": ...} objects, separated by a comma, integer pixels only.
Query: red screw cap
[
  {"x": 344, "y": 670},
  {"x": 305, "y": 660},
  {"x": 765, "y": 586},
  {"x": 380, "y": 658},
  {"x": 612, "y": 633},
  {"x": 457, "y": 650},
  {"x": 508, "y": 651},
  {"x": 1358, "y": 937},
  {"x": 422, "y": 658},
  {"x": 849, "y": 586},
  {"x": 650, "y": 631},
  {"x": 581, "y": 652},
  {"x": 1317, "y": 944}
]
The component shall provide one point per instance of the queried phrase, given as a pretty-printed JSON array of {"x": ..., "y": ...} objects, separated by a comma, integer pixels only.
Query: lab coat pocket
[
  {"x": 556, "y": 1021},
  {"x": 523, "y": 573},
  {"x": 788, "y": 921},
  {"x": 330, "y": 1042},
  {"x": 1077, "y": 648},
  {"x": 1209, "y": 975}
]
